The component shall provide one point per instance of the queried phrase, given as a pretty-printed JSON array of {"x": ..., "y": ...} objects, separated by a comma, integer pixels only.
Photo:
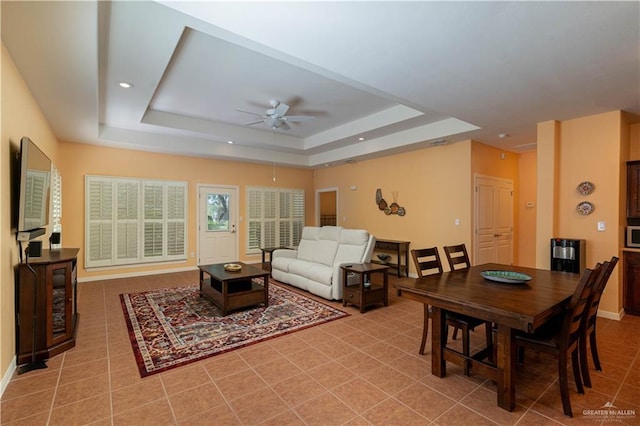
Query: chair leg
[
  {"x": 564, "y": 384},
  {"x": 425, "y": 329},
  {"x": 584, "y": 362},
  {"x": 594, "y": 349},
  {"x": 575, "y": 365}
]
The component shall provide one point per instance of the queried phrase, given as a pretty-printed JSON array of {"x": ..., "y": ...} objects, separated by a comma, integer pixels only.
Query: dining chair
[
  {"x": 560, "y": 335},
  {"x": 427, "y": 262},
  {"x": 458, "y": 259},
  {"x": 457, "y": 256},
  {"x": 589, "y": 326}
]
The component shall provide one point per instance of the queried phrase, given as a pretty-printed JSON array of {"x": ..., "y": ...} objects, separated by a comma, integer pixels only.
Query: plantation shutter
[
  {"x": 276, "y": 217},
  {"x": 254, "y": 224},
  {"x": 127, "y": 194},
  {"x": 132, "y": 221},
  {"x": 284, "y": 221},
  {"x": 297, "y": 216},
  {"x": 99, "y": 241},
  {"x": 176, "y": 221},
  {"x": 269, "y": 218},
  {"x": 153, "y": 217}
]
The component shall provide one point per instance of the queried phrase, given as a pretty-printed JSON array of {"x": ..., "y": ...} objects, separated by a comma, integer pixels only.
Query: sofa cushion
[
  {"x": 300, "y": 267},
  {"x": 308, "y": 243},
  {"x": 352, "y": 247},
  {"x": 321, "y": 274}
]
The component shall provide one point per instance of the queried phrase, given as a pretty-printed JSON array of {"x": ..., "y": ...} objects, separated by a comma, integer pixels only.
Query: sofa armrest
[{"x": 290, "y": 253}]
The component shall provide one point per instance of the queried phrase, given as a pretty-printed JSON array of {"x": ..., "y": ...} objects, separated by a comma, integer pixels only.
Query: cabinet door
[
  {"x": 633, "y": 187},
  {"x": 632, "y": 283},
  {"x": 60, "y": 306}
]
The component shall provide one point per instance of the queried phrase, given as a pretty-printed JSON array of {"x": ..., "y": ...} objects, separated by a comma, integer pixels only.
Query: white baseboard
[
  {"x": 611, "y": 315},
  {"x": 145, "y": 273},
  {"x": 138, "y": 274},
  {"x": 7, "y": 377}
]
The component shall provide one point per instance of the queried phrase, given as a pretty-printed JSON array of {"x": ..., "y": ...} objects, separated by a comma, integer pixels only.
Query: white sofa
[{"x": 315, "y": 265}]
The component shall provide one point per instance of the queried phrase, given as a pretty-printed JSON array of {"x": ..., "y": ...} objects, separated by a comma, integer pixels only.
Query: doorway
[
  {"x": 327, "y": 207},
  {"x": 493, "y": 242},
  {"x": 217, "y": 218}
]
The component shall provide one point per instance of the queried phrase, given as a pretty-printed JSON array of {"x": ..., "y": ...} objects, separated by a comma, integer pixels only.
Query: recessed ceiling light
[
  {"x": 503, "y": 135},
  {"x": 125, "y": 84},
  {"x": 229, "y": 142},
  {"x": 361, "y": 138}
]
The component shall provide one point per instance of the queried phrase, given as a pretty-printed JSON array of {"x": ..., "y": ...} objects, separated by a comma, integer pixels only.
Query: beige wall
[
  {"x": 21, "y": 116},
  {"x": 433, "y": 186},
  {"x": 97, "y": 160},
  {"x": 526, "y": 215}
]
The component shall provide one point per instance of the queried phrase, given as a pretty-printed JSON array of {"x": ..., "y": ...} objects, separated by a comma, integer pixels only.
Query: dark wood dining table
[{"x": 511, "y": 307}]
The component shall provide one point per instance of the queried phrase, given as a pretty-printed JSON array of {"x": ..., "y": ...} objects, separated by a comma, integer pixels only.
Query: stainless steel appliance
[{"x": 568, "y": 255}]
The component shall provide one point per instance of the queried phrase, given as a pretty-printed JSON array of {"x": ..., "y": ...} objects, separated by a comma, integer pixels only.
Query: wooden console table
[{"x": 401, "y": 249}]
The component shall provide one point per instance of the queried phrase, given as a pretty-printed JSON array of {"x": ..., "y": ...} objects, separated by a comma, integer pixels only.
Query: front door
[
  {"x": 217, "y": 218},
  {"x": 493, "y": 220}
]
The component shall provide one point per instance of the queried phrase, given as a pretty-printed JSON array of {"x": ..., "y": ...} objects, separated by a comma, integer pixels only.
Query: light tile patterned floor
[{"x": 361, "y": 370}]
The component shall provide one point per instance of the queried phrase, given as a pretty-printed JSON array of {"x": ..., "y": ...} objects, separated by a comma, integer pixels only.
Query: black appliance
[{"x": 568, "y": 255}]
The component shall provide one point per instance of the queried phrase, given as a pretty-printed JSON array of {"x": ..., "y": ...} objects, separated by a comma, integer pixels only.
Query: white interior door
[
  {"x": 493, "y": 220},
  {"x": 217, "y": 218}
]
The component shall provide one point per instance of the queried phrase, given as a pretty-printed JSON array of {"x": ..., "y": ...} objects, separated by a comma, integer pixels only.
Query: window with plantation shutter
[
  {"x": 133, "y": 221},
  {"x": 275, "y": 217}
]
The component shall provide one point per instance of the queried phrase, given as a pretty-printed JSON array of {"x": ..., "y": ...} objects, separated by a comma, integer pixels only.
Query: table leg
[
  {"x": 344, "y": 287},
  {"x": 386, "y": 287},
  {"x": 266, "y": 291},
  {"x": 438, "y": 342},
  {"x": 506, "y": 362}
]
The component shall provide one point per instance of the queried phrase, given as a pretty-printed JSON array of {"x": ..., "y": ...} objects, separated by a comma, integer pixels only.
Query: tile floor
[{"x": 360, "y": 370}]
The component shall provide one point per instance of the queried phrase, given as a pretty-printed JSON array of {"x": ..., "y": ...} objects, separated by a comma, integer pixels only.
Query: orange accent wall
[
  {"x": 590, "y": 149},
  {"x": 78, "y": 160},
  {"x": 432, "y": 185},
  {"x": 20, "y": 116},
  {"x": 527, "y": 188}
]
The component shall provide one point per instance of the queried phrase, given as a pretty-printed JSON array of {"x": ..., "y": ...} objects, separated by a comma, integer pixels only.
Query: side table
[
  {"x": 266, "y": 262},
  {"x": 360, "y": 295}
]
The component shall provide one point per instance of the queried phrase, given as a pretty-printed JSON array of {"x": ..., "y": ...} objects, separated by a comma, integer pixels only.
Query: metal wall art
[{"x": 389, "y": 209}]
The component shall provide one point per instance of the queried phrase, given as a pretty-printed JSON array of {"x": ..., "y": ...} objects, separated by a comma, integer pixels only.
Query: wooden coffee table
[{"x": 234, "y": 290}]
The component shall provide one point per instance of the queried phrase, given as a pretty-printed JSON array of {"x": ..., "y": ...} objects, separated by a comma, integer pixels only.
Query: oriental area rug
[{"x": 172, "y": 327}]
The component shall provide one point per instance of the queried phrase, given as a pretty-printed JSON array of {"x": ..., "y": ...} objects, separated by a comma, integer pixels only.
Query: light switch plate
[{"x": 602, "y": 226}]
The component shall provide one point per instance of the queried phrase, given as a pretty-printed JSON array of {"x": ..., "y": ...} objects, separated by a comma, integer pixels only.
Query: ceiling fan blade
[
  {"x": 280, "y": 110},
  {"x": 298, "y": 118},
  {"x": 249, "y": 112},
  {"x": 253, "y": 122}
]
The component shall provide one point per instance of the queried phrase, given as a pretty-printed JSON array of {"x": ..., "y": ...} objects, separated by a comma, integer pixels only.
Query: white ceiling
[{"x": 400, "y": 74}]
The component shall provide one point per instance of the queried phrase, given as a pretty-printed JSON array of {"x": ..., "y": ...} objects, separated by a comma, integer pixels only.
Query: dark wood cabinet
[
  {"x": 48, "y": 284},
  {"x": 631, "y": 282},
  {"x": 633, "y": 189}
]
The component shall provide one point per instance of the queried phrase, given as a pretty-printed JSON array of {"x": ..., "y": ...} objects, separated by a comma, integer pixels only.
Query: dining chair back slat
[{"x": 457, "y": 256}]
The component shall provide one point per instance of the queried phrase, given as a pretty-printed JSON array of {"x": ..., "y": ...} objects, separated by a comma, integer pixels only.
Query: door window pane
[{"x": 218, "y": 212}]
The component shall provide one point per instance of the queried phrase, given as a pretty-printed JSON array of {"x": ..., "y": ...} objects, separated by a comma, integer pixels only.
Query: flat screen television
[{"x": 35, "y": 184}]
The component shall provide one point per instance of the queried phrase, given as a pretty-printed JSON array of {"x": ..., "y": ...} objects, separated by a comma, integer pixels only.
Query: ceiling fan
[{"x": 276, "y": 118}]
